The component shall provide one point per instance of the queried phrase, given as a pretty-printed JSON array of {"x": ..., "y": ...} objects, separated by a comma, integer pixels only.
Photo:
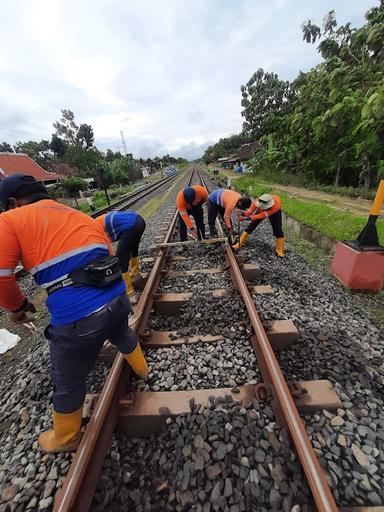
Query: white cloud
[{"x": 167, "y": 73}]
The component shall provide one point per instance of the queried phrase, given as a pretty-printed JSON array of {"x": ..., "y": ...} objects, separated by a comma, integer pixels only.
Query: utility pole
[
  {"x": 123, "y": 143},
  {"x": 100, "y": 171}
]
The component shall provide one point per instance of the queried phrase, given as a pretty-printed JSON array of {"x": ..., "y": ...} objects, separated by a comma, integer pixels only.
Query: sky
[{"x": 165, "y": 72}]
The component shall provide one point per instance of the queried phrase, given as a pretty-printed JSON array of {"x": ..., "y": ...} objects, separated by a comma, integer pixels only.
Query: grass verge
[{"x": 154, "y": 204}]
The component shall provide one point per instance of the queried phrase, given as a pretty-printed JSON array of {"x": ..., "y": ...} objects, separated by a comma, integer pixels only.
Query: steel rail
[
  {"x": 79, "y": 486},
  {"x": 133, "y": 197},
  {"x": 287, "y": 412}
]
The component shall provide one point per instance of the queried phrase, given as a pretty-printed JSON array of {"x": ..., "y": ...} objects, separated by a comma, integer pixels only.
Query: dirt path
[
  {"x": 348, "y": 204},
  {"x": 344, "y": 203}
]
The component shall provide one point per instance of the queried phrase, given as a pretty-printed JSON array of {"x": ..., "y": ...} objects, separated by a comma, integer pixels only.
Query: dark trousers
[
  {"x": 276, "y": 223},
  {"x": 198, "y": 215},
  {"x": 128, "y": 245},
  {"x": 75, "y": 347},
  {"x": 213, "y": 210}
]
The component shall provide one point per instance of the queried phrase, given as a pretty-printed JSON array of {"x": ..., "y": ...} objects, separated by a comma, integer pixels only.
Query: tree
[
  {"x": 5, "y": 147},
  {"x": 225, "y": 147},
  {"x": 122, "y": 172},
  {"x": 66, "y": 127},
  {"x": 40, "y": 152},
  {"x": 85, "y": 161},
  {"x": 58, "y": 146},
  {"x": 85, "y": 136},
  {"x": 327, "y": 126},
  {"x": 72, "y": 186},
  {"x": 265, "y": 99}
]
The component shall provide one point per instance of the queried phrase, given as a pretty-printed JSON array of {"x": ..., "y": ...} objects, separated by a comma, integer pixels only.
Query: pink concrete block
[{"x": 359, "y": 270}]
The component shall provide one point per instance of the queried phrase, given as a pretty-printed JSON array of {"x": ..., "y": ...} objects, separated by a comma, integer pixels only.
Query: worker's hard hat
[
  {"x": 265, "y": 202},
  {"x": 16, "y": 185},
  {"x": 189, "y": 194}
]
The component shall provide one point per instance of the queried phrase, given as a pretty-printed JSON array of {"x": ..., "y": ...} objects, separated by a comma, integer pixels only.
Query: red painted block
[{"x": 359, "y": 270}]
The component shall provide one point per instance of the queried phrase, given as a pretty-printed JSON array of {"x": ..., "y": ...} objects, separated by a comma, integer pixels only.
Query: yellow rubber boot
[
  {"x": 65, "y": 436},
  {"x": 134, "y": 266},
  {"x": 137, "y": 362},
  {"x": 128, "y": 283},
  {"x": 280, "y": 247},
  {"x": 243, "y": 238}
]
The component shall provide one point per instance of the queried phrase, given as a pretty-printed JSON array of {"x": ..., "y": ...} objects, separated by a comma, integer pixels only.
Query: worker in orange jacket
[
  {"x": 190, "y": 201},
  {"x": 224, "y": 201},
  {"x": 265, "y": 207},
  {"x": 69, "y": 255}
]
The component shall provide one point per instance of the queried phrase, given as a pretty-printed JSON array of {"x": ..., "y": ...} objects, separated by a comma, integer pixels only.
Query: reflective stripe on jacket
[
  {"x": 183, "y": 206},
  {"x": 255, "y": 213},
  {"x": 51, "y": 240}
]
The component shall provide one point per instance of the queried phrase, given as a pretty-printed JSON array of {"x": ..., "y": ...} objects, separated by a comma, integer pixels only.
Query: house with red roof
[
  {"x": 64, "y": 170},
  {"x": 13, "y": 163}
]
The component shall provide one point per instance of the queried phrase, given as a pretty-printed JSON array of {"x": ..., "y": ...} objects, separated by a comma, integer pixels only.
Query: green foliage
[
  {"x": 85, "y": 161},
  {"x": 327, "y": 126},
  {"x": 66, "y": 128},
  {"x": 58, "y": 146},
  {"x": 85, "y": 136},
  {"x": 122, "y": 171},
  {"x": 265, "y": 99},
  {"x": 72, "y": 186},
  {"x": 5, "y": 147}
]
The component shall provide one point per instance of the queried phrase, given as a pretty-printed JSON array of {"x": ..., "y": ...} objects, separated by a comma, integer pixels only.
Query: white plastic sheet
[{"x": 7, "y": 340}]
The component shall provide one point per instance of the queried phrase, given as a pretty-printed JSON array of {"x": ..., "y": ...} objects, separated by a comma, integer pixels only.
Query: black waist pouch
[{"x": 100, "y": 273}]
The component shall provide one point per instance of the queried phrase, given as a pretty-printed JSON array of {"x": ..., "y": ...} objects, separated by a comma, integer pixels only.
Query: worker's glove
[
  {"x": 19, "y": 316},
  {"x": 193, "y": 233}
]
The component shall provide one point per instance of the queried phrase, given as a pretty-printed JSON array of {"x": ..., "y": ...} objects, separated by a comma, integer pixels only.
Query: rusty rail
[
  {"x": 80, "y": 484},
  {"x": 284, "y": 406},
  {"x": 131, "y": 198}
]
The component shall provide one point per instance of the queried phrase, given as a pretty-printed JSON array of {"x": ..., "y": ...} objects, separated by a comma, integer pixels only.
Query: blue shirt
[{"x": 116, "y": 223}]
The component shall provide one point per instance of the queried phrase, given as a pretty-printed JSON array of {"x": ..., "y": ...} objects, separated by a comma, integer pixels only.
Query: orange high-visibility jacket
[
  {"x": 51, "y": 240},
  {"x": 183, "y": 206},
  {"x": 256, "y": 213}
]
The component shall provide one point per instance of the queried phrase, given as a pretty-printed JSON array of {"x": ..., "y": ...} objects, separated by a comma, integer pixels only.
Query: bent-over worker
[
  {"x": 190, "y": 201},
  {"x": 68, "y": 254},
  {"x": 224, "y": 201},
  {"x": 128, "y": 228},
  {"x": 266, "y": 206}
]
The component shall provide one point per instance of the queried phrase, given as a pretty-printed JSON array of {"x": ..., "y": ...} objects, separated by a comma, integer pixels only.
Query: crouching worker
[
  {"x": 266, "y": 206},
  {"x": 69, "y": 255},
  {"x": 190, "y": 201},
  {"x": 224, "y": 201},
  {"x": 128, "y": 228}
]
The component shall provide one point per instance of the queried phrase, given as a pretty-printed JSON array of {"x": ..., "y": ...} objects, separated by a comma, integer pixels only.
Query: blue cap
[
  {"x": 12, "y": 184},
  {"x": 189, "y": 194}
]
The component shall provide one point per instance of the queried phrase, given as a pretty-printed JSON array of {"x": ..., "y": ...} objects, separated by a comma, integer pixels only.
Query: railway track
[{"x": 144, "y": 411}]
